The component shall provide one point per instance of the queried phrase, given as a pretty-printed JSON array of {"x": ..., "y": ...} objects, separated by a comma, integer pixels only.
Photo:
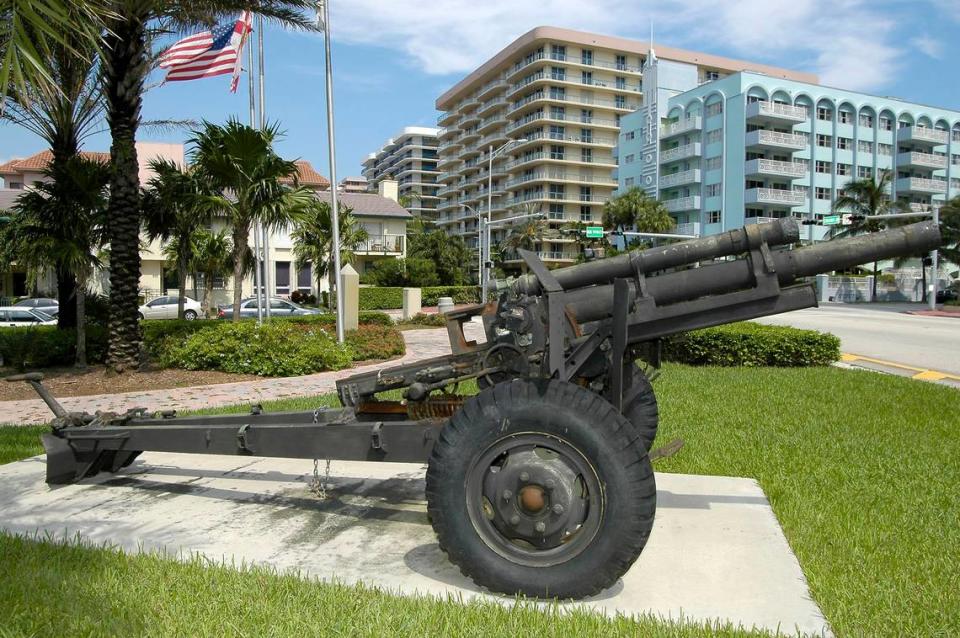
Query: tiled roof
[
  {"x": 369, "y": 204},
  {"x": 308, "y": 176},
  {"x": 39, "y": 161}
]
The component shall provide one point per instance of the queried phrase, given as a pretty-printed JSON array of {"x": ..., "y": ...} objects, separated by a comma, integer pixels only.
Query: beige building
[
  {"x": 358, "y": 184},
  {"x": 410, "y": 158},
  {"x": 558, "y": 95}
]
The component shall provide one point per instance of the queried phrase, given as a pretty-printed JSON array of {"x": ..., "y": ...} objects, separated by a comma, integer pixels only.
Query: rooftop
[
  {"x": 308, "y": 176},
  {"x": 368, "y": 204},
  {"x": 38, "y": 161}
]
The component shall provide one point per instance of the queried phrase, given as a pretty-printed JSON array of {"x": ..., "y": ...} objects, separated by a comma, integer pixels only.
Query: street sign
[
  {"x": 594, "y": 232},
  {"x": 831, "y": 220},
  {"x": 846, "y": 220}
]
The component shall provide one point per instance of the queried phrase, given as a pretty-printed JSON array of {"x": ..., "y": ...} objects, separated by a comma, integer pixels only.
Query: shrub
[
  {"x": 277, "y": 348},
  {"x": 377, "y": 298},
  {"x": 159, "y": 336},
  {"x": 45, "y": 346},
  {"x": 753, "y": 344},
  {"x": 375, "y": 342},
  {"x": 422, "y": 319}
]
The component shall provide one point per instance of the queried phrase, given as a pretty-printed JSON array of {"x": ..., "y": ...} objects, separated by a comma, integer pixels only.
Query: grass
[{"x": 860, "y": 469}]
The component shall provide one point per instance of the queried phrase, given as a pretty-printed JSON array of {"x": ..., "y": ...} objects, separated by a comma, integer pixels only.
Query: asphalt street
[{"x": 885, "y": 331}]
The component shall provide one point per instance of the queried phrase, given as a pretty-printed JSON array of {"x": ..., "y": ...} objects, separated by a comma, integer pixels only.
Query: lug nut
[
  {"x": 540, "y": 526},
  {"x": 557, "y": 508},
  {"x": 524, "y": 476},
  {"x": 514, "y": 520},
  {"x": 550, "y": 483},
  {"x": 507, "y": 495}
]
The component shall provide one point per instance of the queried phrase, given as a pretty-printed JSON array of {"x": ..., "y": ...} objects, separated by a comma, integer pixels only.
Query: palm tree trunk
[
  {"x": 81, "y": 362},
  {"x": 331, "y": 281},
  {"x": 873, "y": 293},
  {"x": 67, "y": 297},
  {"x": 207, "y": 294},
  {"x": 240, "y": 234},
  {"x": 182, "y": 275},
  {"x": 923, "y": 280},
  {"x": 125, "y": 70}
]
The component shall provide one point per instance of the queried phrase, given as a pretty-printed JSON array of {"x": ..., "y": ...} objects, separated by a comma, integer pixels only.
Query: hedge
[
  {"x": 46, "y": 346},
  {"x": 381, "y": 298},
  {"x": 753, "y": 344}
]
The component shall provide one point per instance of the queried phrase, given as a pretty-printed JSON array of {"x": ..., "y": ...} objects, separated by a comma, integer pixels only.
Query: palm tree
[
  {"x": 865, "y": 198},
  {"x": 449, "y": 254},
  {"x": 240, "y": 165},
  {"x": 525, "y": 235},
  {"x": 130, "y": 29},
  {"x": 62, "y": 106},
  {"x": 212, "y": 258},
  {"x": 174, "y": 209},
  {"x": 638, "y": 211},
  {"x": 312, "y": 237},
  {"x": 63, "y": 222}
]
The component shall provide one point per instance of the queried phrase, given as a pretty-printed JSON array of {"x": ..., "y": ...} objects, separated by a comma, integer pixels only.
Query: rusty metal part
[
  {"x": 381, "y": 407},
  {"x": 532, "y": 498},
  {"x": 441, "y": 406}
]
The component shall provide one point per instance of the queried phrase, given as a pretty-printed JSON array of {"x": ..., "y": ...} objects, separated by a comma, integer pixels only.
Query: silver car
[
  {"x": 278, "y": 308},
  {"x": 19, "y": 317},
  {"x": 166, "y": 308}
]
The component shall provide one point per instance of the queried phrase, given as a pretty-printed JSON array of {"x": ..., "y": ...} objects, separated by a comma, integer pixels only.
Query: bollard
[
  {"x": 412, "y": 304},
  {"x": 444, "y": 305},
  {"x": 350, "y": 282}
]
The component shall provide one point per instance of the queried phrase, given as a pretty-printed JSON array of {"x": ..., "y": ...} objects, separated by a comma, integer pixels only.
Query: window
[
  {"x": 620, "y": 101},
  {"x": 844, "y": 169},
  {"x": 16, "y": 185},
  {"x": 558, "y": 93},
  {"x": 629, "y": 159},
  {"x": 714, "y": 136},
  {"x": 586, "y": 135},
  {"x": 714, "y": 163},
  {"x": 955, "y": 135},
  {"x": 556, "y": 211},
  {"x": 822, "y": 193},
  {"x": 305, "y": 278},
  {"x": 714, "y": 109},
  {"x": 630, "y": 135},
  {"x": 586, "y": 115},
  {"x": 713, "y": 217},
  {"x": 621, "y": 82},
  {"x": 558, "y": 52},
  {"x": 621, "y": 62},
  {"x": 823, "y": 167},
  {"x": 713, "y": 190},
  {"x": 824, "y": 113},
  {"x": 954, "y": 158},
  {"x": 558, "y": 112},
  {"x": 556, "y": 191},
  {"x": 586, "y": 155},
  {"x": 844, "y": 143},
  {"x": 586, "y": 214},
  {"x": 845, "y": 117},
  {"x": 884, "y": 149},
  {"x": 709, "y": 76},
  {"x": 558, "y": 73},
  {"x": 628, "y": 182},
  {"x": 864, "y": 172},
  {"x": 586, "y": 56},
  {"x": 865, "y": 147},
  {"x": 556, "y": 152},
  {"x": 586, "y": 193},
  {"x": 866, "y": 120},
  {"x": 886, "y": 124},
  {"x": 825, "y": 141},
  {"x": 586, "y": 77},
  {"x": 556, "y": 132}
]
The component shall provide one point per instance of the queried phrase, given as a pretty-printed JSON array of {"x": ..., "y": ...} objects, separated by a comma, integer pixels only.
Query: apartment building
[
  {"x": 750, "y": 148},
  {"x": 556, "y": 98},
  {"x": 358, "y": 184},
  {"x": 410, "y": 158}
]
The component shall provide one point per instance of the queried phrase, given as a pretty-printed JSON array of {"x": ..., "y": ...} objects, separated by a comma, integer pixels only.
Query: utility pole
[
  {"x": 263, "y": 125},
  {"x": 256, "y": 230}
]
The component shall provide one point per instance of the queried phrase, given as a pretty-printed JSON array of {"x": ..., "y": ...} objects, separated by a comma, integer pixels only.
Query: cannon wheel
[
  {"x": 640, "y": 405},
  {"x": 540, "y": 487}
]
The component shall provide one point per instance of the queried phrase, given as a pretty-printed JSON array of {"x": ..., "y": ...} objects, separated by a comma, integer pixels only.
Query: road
[{"x": 885, "y": 331}]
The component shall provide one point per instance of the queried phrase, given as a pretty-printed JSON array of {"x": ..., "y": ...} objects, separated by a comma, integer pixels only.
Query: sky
[{"x": 392, "y": 59}]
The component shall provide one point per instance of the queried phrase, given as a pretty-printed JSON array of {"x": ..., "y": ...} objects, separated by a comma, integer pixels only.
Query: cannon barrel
[
  {"x": 783, "y": 231},
  {"x": 596, "y": 302}
]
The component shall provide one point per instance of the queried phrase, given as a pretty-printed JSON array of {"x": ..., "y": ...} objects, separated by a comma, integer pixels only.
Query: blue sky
[{"x": 392, "y": 59}]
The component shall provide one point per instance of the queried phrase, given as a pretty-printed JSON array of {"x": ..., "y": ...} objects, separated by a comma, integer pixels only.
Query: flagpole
[
  {"x": 263, "y": 118},
  {"x": 256, "y": 233},
  {"x": 334, "y": 211}
]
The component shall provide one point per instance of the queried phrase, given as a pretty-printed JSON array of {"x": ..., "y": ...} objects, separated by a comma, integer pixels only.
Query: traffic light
[
  {"x": 809, "y": 222},
  {"x": 927, "y": 261}
]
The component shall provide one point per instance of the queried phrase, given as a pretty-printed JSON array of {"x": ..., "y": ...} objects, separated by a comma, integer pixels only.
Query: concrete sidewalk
[
  {"x": 421, "y": 344},
  {"x": 716, "y": 550}
]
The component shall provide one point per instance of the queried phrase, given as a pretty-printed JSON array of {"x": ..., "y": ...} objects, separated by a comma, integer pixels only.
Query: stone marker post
[
  {"x": 412, "y": 303},
  {"x": 350, "y": 284}
]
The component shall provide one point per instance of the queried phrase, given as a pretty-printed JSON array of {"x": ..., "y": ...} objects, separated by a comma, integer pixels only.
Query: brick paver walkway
[{"x": 421, "y": 344}]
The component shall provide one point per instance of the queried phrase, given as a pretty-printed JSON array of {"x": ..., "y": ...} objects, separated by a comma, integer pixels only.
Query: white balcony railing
[
  {"x": 680, "y": 152},
  {"x": 759, "y": 220},
  {"x": 762, "y": 137},
  {"x": 921, "y": 185},
  {"x": 689, "y": 228},
  {"x": 677, "y": 179},
  {"x": 683, "y": 204},
  {"x": 774, "y": 196},
  {"x": 777, "y": 111},
  {"x": 923, "y": 134},
  {"x": 382, "y": 244},
  {"x": 928, "y": 160},
  {"x": 681, "y": 126},
  {"x": 776, "y": 167}
]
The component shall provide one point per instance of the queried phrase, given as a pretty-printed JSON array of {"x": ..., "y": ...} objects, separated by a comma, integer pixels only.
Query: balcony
[
  {"x": 681, "y": 126},
  {"x": 922, "y": 160},
  {"x": 759, "y": 220},
  {"x": 469, "y": 120},
  {"x": 382, "y": 245},
  {"x": 922, "y": 135},
  {"x": 682, "y": 204},
  {"x": 447, "y": 147},
  {"x": 678, "y": 179},
  {"x": 447, "y": 117},
  {"x": 470, "y": 136},
  {"x": 775, "y": 168},
  {"x": 448, "y": 133},
  {"x": 560, "y": 176},
  {"x": 492, "y": 87},
  {"x": 775, "y": 113},
  {"x": 773, "y": 196},
  {"x": 680, "y": 153},
  {"x": 548, "y": 256},
  {"x": 916, "y": 207},
  {"x": 469, "y": 104},
  {"x": 921, "y": 185},
  {"x": 689, "y": 228},
  {"x": 776, "y": 140}
]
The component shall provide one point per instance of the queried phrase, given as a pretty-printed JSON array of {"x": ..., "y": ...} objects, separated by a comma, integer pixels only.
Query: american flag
[{"x": 207, "y": 54}]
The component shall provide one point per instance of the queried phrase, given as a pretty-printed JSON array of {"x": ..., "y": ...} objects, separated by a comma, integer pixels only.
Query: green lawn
[{"x": 861, "y": 470}]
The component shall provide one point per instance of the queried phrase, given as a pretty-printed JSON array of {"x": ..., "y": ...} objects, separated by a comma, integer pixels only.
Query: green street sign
[
  {"x": 594, "y": 232},
  {"x": 831, "y": 220}
]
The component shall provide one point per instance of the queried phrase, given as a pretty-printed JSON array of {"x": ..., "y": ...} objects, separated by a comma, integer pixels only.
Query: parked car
[
  {"x": 278, "y": 308},
  {"x": 43, "y": 304},
  {"x": 19, "y": 317},
  {"x": 948, "y": 294},
  {"x": 166, "y": 308}
]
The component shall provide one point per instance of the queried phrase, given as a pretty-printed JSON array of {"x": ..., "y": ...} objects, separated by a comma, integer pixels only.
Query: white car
[
  {"x": 17, "y": 317},
  {"x": 166, "y": 308}
]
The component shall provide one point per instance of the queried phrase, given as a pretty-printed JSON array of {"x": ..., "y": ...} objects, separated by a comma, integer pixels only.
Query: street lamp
[
  {"x": 485, "y": 280},
  {"x": 479, "y": 243}
]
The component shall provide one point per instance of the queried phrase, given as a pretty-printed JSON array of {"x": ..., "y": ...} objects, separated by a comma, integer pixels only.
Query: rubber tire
[
  {"x": 589, "y": 423},
  {"x": 189, "y": 315},
  {"x": 140, "y": 316},
  {"x": 640, "y": 405}
]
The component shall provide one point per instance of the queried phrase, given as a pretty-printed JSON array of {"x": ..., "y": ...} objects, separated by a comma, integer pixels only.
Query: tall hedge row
[
  {"x": 753, "y": 344},
  {"x": 382, "y": 298}
]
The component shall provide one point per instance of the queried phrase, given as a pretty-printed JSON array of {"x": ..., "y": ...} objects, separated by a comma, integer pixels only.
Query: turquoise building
[{"x": 748, "y": 148}]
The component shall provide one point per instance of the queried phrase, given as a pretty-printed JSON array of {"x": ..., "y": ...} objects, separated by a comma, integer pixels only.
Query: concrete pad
[{"x": 716, "y": 551}]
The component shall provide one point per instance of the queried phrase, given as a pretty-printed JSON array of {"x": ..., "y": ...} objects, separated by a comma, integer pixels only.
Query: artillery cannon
[{"x": 541, "y": 484}]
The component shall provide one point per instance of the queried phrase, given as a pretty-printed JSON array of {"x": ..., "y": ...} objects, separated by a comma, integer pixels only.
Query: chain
[{"x": 319, "y": 486}]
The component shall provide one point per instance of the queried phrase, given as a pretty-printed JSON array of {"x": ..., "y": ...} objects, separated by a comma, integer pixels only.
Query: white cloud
[
  {"x": 850, "y": 43},
  {"x": 930, "y": 47}
]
